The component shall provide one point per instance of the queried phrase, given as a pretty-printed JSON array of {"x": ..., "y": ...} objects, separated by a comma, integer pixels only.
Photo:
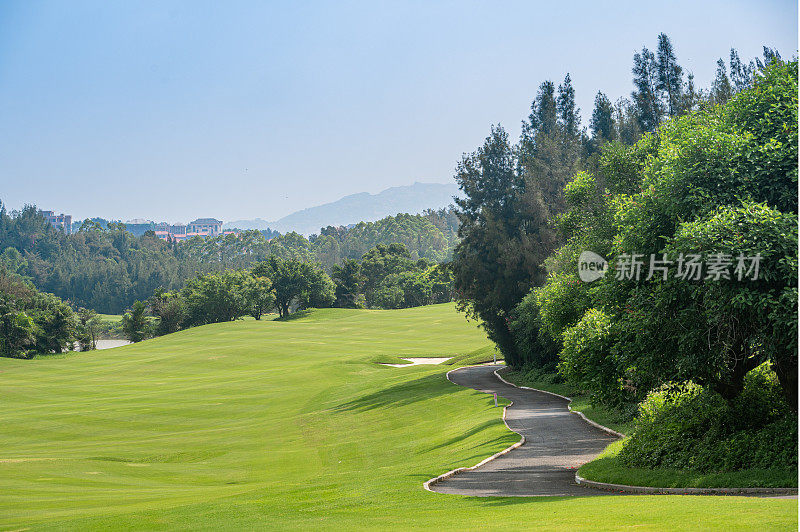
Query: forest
[
  {"x": 106, "y": 268},
  {"x": 674, "y": 177}
]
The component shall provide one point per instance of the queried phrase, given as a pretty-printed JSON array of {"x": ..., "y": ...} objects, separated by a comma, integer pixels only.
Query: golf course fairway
[{"x": 286, "y": 424}]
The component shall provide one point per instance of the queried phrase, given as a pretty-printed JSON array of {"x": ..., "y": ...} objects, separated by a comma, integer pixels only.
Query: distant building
[
  {"x": 62, "y": 222},
  {"x": 177, "y": 229},
  {"x": 205, "y": 227}
]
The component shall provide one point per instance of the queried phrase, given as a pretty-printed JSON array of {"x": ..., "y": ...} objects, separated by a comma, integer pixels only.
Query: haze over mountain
[{"x": 360, "y": 207}]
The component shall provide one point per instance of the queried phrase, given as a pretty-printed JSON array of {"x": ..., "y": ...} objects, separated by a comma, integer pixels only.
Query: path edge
[
  {"x": 624, "y": 488},
  {"x": 569, "y": 406},
  {"x": 444, "y": 476}
]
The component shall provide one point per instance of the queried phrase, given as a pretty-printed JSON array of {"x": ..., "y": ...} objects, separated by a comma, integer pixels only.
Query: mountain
[{"x": 360, "y": 207}]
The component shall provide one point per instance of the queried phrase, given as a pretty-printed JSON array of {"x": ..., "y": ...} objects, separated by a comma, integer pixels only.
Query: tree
[
  {"x": 705, "y": 185},
  {"x": 721, "y": 90},
  {"x": 670, "y": 76},
  {"x": 379, "y": 263},
  {"x": 568, "y": 113},
  {"x": 741, "y": 74},
  {"x": 87, "y": 332},
  {"x": 602, "y": 122},
  {"x": 296, "y": 283},
  {"x": 543, "y": 116},
  {"x": 349, "y": 284},
  {"x": 170, "y": 310},
  {"x": 135, "y": 323},
  {"x": 259, "y": 295},
  {"x": 215, "y": 298},
  {"x": 17, "y": 331},
  {"x": 489, "y": 277},
  {"x": 646, "y": 96}
]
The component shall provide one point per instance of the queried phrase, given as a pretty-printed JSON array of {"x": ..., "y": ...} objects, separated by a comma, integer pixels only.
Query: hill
[
  {"x": 284, "y": 425},
  {"x": 362, "y": 207}
]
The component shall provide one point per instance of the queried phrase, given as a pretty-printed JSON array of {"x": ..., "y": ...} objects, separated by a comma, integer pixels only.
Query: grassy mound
[
  {"x": 609, "y": 468},
  {"x": 284, "y": 425}
]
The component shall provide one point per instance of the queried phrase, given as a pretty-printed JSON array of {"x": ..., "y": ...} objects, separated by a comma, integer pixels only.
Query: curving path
[{"x": 557, "y": 442}]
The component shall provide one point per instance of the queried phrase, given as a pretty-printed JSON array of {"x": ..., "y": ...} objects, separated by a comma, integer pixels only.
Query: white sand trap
[{"x": 418, "y": 361}]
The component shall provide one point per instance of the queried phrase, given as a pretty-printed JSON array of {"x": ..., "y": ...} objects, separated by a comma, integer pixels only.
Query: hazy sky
[{"x": 174, "y": 110}]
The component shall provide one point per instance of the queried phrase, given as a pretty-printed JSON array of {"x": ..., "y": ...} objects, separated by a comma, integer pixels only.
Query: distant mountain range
[{"x": 360, "y": 207}]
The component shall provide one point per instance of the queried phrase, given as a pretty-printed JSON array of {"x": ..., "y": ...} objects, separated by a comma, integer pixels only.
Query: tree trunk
[{"x": 787, "y": 376}]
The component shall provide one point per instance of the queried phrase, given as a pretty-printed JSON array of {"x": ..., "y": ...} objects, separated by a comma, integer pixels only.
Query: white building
[{"x": 207, "y": 226}]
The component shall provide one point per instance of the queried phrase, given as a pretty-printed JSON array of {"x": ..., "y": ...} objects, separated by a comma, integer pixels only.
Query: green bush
[
  {"x": 686, "y": 426},
  {"x": 535, "y": 346},
  {"x": 586, "y": 359}
]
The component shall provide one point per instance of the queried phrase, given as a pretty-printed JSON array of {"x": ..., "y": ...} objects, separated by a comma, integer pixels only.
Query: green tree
[
  {"x": 489, "y": 277},
  {"x": 602, "y": 122},
  {"x": 259, "y": 295},
  {"x": 349, "y": 284},
  {"x": 170, "y": 310},
  {"x": 568, "y": 113},
  {"x": 721, "y": 90},
  {"x": 646, "y": 96},
  {"x": 296, "y": 284},
  {"x": 135, "y": 322},
  {"x": 670, "y": 76}
]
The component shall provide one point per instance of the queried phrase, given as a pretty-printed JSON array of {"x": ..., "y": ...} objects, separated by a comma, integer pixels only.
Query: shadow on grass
[
  {"x": 471, "y": 432},
  {"x": 294, "y": 315},
  {"x": 405, "y": 393}
]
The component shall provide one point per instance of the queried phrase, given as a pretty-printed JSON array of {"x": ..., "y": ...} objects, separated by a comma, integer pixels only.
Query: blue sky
[{"x": 173, "y": 110}]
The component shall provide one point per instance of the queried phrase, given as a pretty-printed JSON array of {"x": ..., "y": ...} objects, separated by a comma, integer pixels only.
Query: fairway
[{"x": 286, "y": 424}]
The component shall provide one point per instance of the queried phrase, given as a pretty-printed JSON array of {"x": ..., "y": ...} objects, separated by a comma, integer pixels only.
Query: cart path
[{"x": 557, "y": 443}]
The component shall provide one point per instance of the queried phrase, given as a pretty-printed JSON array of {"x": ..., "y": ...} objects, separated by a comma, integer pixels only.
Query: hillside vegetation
[{"x": 284, "y": 425}]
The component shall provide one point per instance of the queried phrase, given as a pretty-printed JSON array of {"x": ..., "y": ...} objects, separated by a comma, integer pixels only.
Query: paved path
[{"x": 557, "y": 442}]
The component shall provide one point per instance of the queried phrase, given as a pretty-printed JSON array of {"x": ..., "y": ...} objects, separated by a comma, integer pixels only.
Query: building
[
  {"x": 62, "y": 222},
  {"x": 205, "y": 227}
]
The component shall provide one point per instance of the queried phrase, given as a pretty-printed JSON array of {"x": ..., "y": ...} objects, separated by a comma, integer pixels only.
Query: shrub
[
  {"x": 586, "y": 358},
  {"x": 535, "y": 347},
  {"x": 686, "y": 426}
]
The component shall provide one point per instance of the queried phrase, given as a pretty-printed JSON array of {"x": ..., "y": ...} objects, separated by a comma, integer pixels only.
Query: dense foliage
[
  {"x": 105, "y": 267},
  {"x": 686, "y": 426},
  {"x": 691, "y": 195},
  {"x": 34, "y": 323},
  {"x": 386, "y": 277},
  {"x": 709, "y": 184}
]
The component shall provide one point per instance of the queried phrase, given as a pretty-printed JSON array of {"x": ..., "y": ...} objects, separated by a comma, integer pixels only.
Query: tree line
[
  {"x": 104, "y": 267},
  {"x": 674, "y": 172},
  {"x": 35, "y": 323},
  {"x": 386, "y": 277}
]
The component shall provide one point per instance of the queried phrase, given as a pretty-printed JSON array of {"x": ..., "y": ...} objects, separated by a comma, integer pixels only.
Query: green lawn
[{"x": 267, "y": 424}]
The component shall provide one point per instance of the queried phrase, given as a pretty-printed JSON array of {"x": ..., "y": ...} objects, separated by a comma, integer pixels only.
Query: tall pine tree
[
  {"x": 670, "y": 76},
  {"x": 568, "y": 113},
  {"x": 646, "y": 96},
  {"x": 602, "y": 122}
]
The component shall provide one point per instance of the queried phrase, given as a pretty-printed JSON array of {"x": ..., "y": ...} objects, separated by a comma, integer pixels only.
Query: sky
[{"x": 172, "y": 110}]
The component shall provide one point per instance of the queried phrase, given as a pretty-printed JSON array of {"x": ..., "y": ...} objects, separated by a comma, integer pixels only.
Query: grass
[
  {"x": 110, "y": 326},
  {"x": 608, "y": 468},
  {"x": 285, "y": 425},
  {"x": 110, "y": 318},
  {"x": 479, "y": 356},
  {"x": 613, "y": 419}
]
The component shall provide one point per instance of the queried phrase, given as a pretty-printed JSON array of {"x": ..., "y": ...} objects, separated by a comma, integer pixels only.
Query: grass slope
[
  {"x": 266, "y": 424},
  {"x": 608, "y": 468}
]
